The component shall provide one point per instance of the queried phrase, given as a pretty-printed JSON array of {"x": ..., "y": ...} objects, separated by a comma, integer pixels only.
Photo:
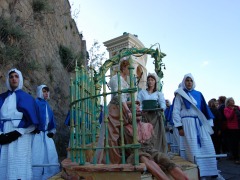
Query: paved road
[{"x": 229, "y": 170}]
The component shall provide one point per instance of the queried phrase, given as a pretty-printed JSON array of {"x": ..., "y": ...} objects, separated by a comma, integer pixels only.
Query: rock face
[{"x": 31, "y": 41}]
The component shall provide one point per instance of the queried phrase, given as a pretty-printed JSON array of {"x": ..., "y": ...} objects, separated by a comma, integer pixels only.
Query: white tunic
[
  {"x": 158, "y": 96},
  {"x": 191, "y": 125},
  {"x": 113, "y": 83},
  {"x": 15, "y": 158}
]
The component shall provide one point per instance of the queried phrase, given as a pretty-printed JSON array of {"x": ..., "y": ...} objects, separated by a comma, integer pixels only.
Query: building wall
[{"x": 45, "y": 32}]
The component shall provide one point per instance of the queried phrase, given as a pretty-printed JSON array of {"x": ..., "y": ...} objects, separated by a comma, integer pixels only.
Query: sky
[{"x": 200, "y": 37}]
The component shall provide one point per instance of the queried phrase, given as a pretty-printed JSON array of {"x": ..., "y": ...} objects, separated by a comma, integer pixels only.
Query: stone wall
[{"x": 46, "y": 31}]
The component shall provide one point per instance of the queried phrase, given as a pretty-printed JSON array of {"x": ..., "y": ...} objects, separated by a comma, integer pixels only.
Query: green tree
[{"x": 96, "y": 55}]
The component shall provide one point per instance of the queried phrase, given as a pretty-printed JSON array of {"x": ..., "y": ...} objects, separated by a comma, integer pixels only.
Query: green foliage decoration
[{"x": 96, "y": 56}]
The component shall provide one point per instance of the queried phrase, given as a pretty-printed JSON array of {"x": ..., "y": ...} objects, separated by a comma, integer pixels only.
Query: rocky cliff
[{"x": 40, "y": 38}]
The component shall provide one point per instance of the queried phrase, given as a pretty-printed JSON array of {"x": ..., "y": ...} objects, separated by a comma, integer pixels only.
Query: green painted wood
[{"x": 86, "y": 90}]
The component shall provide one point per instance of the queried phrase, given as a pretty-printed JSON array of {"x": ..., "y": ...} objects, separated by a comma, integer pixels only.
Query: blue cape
[
  {"x": 168, "y": 114},
  {"x": 67, "y": 120},
  {"x": 42, "y": 104},
  {"x": 100, "y": 117},
  {"x": 25, "y": 104},
  {"x": 201, "y": 103}
]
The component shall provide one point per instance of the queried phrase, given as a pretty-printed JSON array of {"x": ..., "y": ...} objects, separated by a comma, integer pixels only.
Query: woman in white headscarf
[
  {"x": 18, "y": 118},
  {"x": 155, "y": 117},
  {"x": 44, "y": 150},
  {"x": 193, "y": 118}
]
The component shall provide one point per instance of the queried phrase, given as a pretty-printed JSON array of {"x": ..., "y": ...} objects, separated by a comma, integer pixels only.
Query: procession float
[{"x": 89, "y": 95}]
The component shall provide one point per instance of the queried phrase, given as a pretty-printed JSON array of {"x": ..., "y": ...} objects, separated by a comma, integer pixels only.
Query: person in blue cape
[
  {"x": 18, "y": 118},
  {"x": 43, "y": 147},
  {"x": 67, "y": 119},
  {"x": 169, "y": 128},
  {"x": 193, "y": 118}
]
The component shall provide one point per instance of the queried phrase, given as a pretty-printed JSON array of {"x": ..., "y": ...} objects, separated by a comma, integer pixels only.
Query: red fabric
[{"x": 232, "y": 121}]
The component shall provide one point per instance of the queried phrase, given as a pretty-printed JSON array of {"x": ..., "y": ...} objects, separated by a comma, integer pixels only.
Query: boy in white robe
[
  {"x": 193, "y": 118},
  {"x": 18, "y": 118},
  {"x": 43, "y": 147}
]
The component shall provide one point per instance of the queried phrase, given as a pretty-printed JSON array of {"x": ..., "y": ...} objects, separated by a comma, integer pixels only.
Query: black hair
[
  {"x": 13, "y": 71},
  {"x": 46, "y": 88}
]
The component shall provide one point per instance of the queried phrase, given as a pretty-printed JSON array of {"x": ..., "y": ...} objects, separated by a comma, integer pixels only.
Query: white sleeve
[
  {"x": 124, "y": 97},
  {"x": 210, "y": 122},
  {"x": 113, "y": 83},
  {"x": 176, "y": 115},
  {"x": 161, "y": 101}
]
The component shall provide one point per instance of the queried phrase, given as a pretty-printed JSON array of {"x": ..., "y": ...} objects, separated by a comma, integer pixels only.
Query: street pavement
[{"x": 228, "y": 169}]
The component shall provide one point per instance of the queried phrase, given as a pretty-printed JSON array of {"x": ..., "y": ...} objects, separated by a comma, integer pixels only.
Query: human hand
[
  {"x": 166, "y": 129},
  {"x": 130, "y": 116},
  {"x": 36, "y": 131},
  {"x": 50, "y": 135},
  {"x": 235, "y": 108},
  {"x": 9, "y": 137},
  {"x": 3, "y": 139},
  {"x": 181, "y": 132}
]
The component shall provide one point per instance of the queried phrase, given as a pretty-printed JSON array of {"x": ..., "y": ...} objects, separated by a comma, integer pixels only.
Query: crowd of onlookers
[{"x": 226, "y": 127}]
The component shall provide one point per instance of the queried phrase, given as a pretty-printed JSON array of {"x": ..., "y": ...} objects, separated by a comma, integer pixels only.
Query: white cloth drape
[{"x": 15, "y": 158}]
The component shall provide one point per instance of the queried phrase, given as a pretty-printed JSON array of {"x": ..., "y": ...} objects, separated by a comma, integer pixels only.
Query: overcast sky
[{"x": 199, "y": 36}]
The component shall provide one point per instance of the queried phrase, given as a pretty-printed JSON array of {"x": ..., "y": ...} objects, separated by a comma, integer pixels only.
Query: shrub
[
  {"x": 10, "y": 54},
  {"x": 9, "y": 31},
  {"x": 27, "y": 66},
  {"x": 39, "y": 5},
  {"x": 68, "y": 58},
  {"x": 66, "y": 55},
  {"x": 49, "y": 68}
]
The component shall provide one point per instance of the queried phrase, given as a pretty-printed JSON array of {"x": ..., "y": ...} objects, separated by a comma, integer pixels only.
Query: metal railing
[{"x": 86, "y": 90}]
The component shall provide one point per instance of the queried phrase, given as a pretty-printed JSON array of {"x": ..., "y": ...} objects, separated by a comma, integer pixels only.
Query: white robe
[
  {"x": 207, "y": 166},
  {"x": 44, "y": 152},
  {"x": 15, "y": 158}
]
